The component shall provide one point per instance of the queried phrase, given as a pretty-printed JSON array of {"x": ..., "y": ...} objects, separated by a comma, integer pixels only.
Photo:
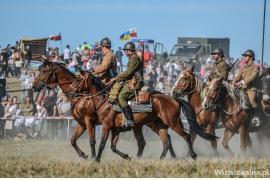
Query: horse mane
[
  {"x": 230, "y": 89},
  {"x": 199, "y": 86}
]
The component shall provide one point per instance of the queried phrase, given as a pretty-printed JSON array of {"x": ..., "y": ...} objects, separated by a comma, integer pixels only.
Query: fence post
[{"x": 68, "y": 129}]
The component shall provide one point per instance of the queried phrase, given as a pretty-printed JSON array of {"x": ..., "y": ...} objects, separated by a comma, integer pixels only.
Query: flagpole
[
  {"x": 263, "y": 31},
  {"x": 61, "y": 43}
]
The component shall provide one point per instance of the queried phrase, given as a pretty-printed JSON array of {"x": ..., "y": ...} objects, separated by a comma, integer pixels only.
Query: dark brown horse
[
  {"x": 76, "y": 87},
  {"x": 88, "y": 110},
  {"x": 188, "y": 84},
  {"x": 235, "y": 119}
]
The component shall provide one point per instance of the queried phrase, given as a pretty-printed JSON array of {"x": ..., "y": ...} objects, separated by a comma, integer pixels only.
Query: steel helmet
[
  {"x": 218, "y": 51},
  {"x": 129, "y": 46},
  {"x": 106, "y": 42},
  {"x": 249, "y": 53}
]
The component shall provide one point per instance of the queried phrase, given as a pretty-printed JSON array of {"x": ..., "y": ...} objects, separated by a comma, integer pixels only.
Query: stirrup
[{"x": 128, "y": 124}]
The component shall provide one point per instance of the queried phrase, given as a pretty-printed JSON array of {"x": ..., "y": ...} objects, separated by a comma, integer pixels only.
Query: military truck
[
  {"x": 196, "y": 50},
  {"x": 36, "y": 45},
  {"x": 153, "y": 51}
]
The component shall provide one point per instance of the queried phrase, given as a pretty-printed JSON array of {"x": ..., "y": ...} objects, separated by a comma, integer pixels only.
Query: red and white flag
[{"x": 55, "y": 37}]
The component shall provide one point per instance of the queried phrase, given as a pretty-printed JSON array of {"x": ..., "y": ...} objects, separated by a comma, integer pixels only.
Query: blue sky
[{"x": 164, "y": 21}]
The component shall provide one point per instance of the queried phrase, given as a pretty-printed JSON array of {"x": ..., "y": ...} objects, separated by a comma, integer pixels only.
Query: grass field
[{"x": 49, "y": 158}]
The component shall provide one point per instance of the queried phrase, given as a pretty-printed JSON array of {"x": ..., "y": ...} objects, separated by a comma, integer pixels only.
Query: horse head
[
  {"x": 185, "y": 84},
  {"x": 46, "y": 76},
  {"x": 213, "y": 94}
]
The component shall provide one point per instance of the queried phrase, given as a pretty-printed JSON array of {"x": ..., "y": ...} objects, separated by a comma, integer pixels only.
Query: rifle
[
  {"x": 267, "y": 71},
  {"x": 230, "y": 68}
]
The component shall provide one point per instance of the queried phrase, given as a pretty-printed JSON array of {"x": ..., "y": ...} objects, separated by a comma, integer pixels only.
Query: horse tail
[{"x": 191, "y": 117}]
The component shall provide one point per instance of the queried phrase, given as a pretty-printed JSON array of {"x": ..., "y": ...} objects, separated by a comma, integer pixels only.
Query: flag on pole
[
  {"x": 55, "y": 37},
  {"x": 128, "y": 34}
]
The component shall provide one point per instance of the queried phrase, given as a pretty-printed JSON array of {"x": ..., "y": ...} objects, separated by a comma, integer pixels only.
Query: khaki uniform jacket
[
  {"x": 249, "y": 74},
  {"x": 102, "y": 70},
  {"x": 219, "y": 70},
  {"x": 134, "y": 65}
]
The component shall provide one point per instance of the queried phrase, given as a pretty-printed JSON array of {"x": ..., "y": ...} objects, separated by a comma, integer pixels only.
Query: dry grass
[{"x": 32, "y": 158}]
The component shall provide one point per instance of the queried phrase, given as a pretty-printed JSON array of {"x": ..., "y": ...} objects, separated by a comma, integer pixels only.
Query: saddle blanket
[{"x": 135, "y": 107}]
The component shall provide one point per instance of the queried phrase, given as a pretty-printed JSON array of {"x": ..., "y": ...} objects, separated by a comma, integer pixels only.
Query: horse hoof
[
  {"x": 194, "y": 156},
  {"x": 93, "y": 157},
  {"x": 129, "y": 158},
  {"x": 162, "y": 157},
  {"x": 84, "y": 156},
  {"x": 97, "y": 160}
]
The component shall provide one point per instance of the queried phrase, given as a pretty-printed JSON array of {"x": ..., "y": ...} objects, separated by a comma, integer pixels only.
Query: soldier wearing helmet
[
  {"x": 220, "y": 68},
  {"x": 131, "y": 81},
  {"x": 107, "y": 69},
  {"x": 248, "y": 79}
]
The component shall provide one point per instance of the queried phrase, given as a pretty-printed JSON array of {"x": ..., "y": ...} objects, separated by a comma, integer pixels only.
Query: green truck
[{"x": 196, "y": 50}]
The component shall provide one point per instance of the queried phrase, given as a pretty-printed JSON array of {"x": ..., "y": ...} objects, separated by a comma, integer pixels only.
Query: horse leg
[
  {"x": 178, "y": 128},
  {"x": 249, "y": 142},
  {"x": 140, "y": 140},
  {"x": 225, "y": 142},
  {"x": 163, "y": 133},
  {"x": 104, "y": 138},
  {"x": 92, "y": 135},
  {"x": 193, "y": 135},
  {"x": 92, "y": 141},
  {"x": 173, "y": 155},
  {"x": 243, "y": 132},
  {"x": 77, "y": 133},
  {"x": 115, "y": 136},
  {"x": 156, "y": 130},
  {"x": 211, "y": 130}
]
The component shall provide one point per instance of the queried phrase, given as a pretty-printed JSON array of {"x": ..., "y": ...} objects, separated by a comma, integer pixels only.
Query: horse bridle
[
  {"x": 51, "y": 68},
  {"x": 44, "y": 81},
  {"x": 183, "y": 93}
]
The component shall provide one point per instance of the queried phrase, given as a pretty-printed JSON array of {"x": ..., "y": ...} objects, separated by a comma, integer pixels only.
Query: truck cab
[{"x": 152, "y": 51}]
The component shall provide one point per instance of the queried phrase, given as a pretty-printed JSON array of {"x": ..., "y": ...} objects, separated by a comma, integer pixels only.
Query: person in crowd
[
  {"x": 41, "y": 125},
  {"x": 63, "y": 107},
  {"x": 18, "y": 63},
  {"x": 4, "y": 59},
  {"x": 2, "y": 113},
  {"x": 28, "y": 113},
  {"x": 71, "y": 66},
  {"x": 11, "y": 110},
  {"x": 67, "y": 54},
  {"x": 28, "y": 57},
  {"x": 50, "y": 105}
]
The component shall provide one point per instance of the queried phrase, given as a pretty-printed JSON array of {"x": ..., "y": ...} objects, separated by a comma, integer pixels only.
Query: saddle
[{"x": 140, "y": 103}]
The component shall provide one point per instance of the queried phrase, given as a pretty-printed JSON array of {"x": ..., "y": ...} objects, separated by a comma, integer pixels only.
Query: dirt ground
[{"x": 57, "y": 158}]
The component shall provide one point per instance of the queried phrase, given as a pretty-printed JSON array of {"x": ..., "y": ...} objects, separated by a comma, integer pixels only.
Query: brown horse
[
  {"x": 166, "y": 112},
  {"x": 188, "y": 84},
  {"x": 234, "y": 118},
  {"x": 76, "y": 87}
]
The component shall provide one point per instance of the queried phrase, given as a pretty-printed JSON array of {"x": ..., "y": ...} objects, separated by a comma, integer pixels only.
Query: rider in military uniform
[
  {"x": 131, "y": 80},
  {"x": 220, "y": 68},
  {"x": 248, "y": 79},
  {"x": 107, "y": 69}
]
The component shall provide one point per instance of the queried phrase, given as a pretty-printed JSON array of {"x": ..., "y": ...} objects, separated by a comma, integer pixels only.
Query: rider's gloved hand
[{"x": 90, "y": 70}]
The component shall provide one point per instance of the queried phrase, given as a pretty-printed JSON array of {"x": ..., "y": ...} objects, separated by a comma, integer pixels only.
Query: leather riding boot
[
  {"x": 259, "y": 113},
  {"x": 129, "y": 117}
]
